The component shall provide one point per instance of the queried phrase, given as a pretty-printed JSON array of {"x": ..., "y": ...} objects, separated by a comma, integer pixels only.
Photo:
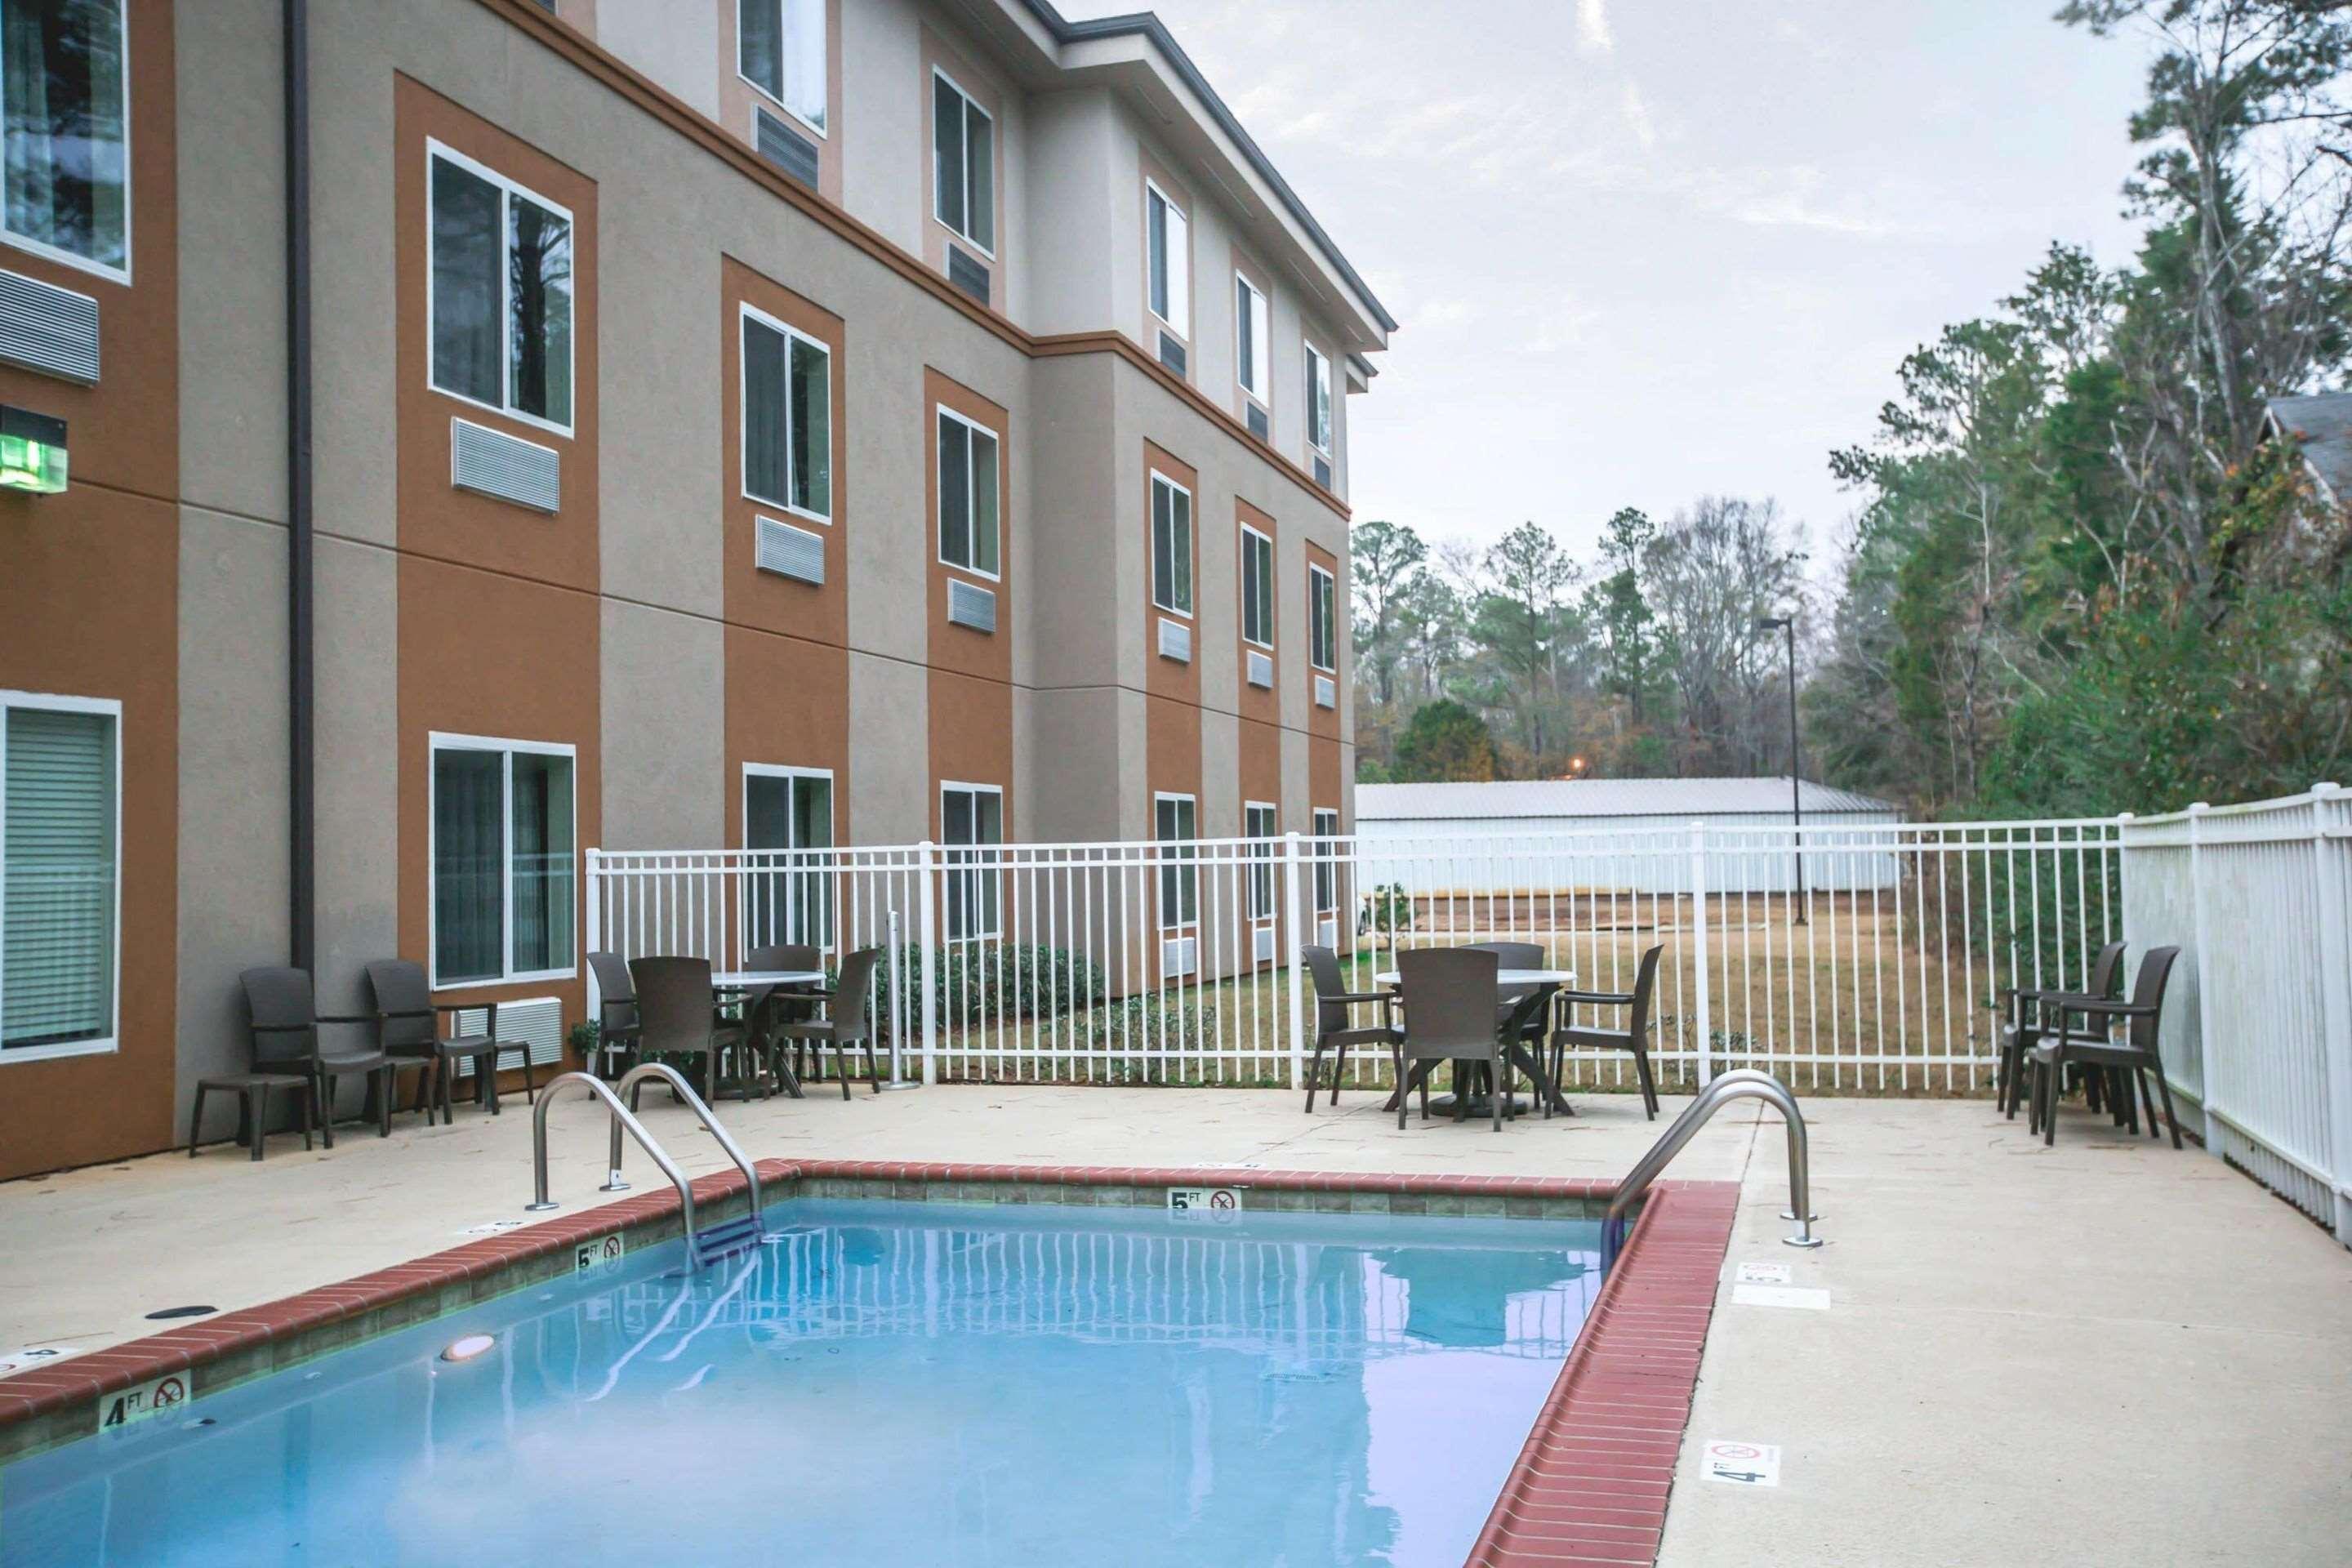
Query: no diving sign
[
  {"x": 150, "y": 1398},
  {"x": 1742, "y": 1464},
  {"x": 1217, "y": 1203}
]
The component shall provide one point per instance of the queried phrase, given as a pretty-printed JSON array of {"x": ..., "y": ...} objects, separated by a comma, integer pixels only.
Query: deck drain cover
[{"x": 182, "y": 1312}]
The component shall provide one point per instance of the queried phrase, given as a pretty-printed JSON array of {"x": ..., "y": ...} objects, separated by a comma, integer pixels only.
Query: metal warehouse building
[{"x": 1629, "y": 835}]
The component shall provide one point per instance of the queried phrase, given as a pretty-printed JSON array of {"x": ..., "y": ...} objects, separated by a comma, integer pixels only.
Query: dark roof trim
[{"x": 1150, "y": 27}]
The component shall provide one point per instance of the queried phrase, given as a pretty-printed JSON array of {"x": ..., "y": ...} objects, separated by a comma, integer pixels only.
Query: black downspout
[{"x": 302, "y": 870}]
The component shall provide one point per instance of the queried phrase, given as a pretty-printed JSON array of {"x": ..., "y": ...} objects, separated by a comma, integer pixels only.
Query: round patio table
[{"x": 1542, "y": 982}]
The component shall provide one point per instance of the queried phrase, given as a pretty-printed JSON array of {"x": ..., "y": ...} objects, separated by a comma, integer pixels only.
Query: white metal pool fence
[{"x": 1178, "y": 963}]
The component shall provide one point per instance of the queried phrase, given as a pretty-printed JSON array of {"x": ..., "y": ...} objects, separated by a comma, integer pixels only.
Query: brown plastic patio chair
[
  {"x": 849, "y": 1020},
  {"x": 1335, "y": 1025},
  {"x": 285, "y": 1021},
  {"x": 408, "y": 1024},
  {"x": 2028, "y": 1005},
  {"x": 769, "y": 1007},
  {"x": 1449, "y": 1015},
  {"x": 1634, "y": 1037},
  {"x": 616, "y": 1016},
  {"x": 2133, "y": 1057},
  {"x": 252, "y": 1091},
  {"x": 676, "y": 1017}
]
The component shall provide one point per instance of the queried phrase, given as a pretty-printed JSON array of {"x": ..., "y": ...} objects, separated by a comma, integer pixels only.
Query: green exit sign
[{"x": 32, "y": 452}]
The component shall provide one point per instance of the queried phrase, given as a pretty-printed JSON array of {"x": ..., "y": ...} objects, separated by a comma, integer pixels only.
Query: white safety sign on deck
[
  {"x": 1764, "y": 1274},
  {"x": 1742, "y": 1464},
  {"x": 492, "y": 1227},
  {"x": 1781, "y": 1296},
  {"x": 31, "y": 1356}
]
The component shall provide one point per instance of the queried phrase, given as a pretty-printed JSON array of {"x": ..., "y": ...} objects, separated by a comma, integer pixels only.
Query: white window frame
[
  {"x": 751, "y": 313},
  {"x": 439, "y": 740},
  {"x": 1262, "y": 861},
  {"x": 1191, "y": 553},
  {"x": 64, "y": 258},
  {"x": 969, "y": 872},
  {"x": 1325, "y": 819},
  {"x": 995, "y": 136},
  {"x": 1188, "y": 863},
  {"x": 110, "y": 708},
  {"x": 1257, "y": 358},
  {"x": 1319, "y": 392},
  {"x": 833, "y": 893},
  {"x": 1178, "y": 300},
  {"x": 825, "y": 20},
  {"x": 1271, "y": 592},
  {"x": 1331, "y": 620},
  {"x": 509, "y": 189},
  {"x": 942, "y": 410}
]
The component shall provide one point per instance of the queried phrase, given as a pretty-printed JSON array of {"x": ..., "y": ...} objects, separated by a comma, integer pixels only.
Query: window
[
  {"x": 1257, "y": 823},
  {"x": 787, "y": 418},
  {"x": 963, "y": 163},
  {"x": 1171, "y": 545},
  {"x": 63, "y": 85},
  {"x": 968, "y": 494},
  {"x": 1169, "y": 258},
  {"x": 501, "y": 292},
  {"x": 60, "y": 846},
  {"x": 502, "y": 854},
  {"x": 1322, "y": 646},
  {"x": 779, "y": 50},
  {"x": 1327, "y": 859},
  {"x": 788, "y": 812},
  {"x": 1175, "y": 825},
  {"x": 1318, "y": 401},
  {"x": 971, "y": 815},
  {"x": 1250, "y": 330},
  {"x": 1258, "y": 588}
]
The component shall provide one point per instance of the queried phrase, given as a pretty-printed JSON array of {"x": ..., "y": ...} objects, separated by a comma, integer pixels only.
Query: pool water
[{"x": 884, "y": 1383}]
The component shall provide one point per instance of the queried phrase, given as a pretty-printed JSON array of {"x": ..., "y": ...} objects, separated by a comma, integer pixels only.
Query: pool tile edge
[{"x": 1592, "y": 1483}]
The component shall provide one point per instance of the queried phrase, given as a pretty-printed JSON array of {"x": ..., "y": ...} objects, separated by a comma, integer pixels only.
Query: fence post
[
  {"x": 926, "y": 945},
  {"x": 1291, "y": 931},
  {"x": 2215, "y": 1131},
  {"x": 595, "y": 925},
  {"x": 1698, "y": 926},
  {"x": 2335, "y": 996}
]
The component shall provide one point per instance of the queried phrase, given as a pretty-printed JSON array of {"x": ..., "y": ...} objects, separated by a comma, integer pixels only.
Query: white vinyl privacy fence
[
  {"x": 1178, "y": 963},
  {"x": 2257, "y": 1036}
]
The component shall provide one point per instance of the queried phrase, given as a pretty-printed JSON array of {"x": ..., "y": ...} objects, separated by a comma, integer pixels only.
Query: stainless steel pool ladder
[
  {"x": 699, "y": 1245},
  {"x": 1741, "y": 1083}
]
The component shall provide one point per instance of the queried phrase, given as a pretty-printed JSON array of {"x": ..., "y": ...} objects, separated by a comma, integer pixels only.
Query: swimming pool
[{"x": 884, "y": 1382}]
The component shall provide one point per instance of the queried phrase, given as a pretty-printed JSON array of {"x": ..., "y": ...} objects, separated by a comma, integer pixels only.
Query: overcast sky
[{"x": 1641, "y": 252}]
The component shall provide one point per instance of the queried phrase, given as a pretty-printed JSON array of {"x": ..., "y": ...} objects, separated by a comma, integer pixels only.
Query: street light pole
[{"x": 1787, "y": 626}]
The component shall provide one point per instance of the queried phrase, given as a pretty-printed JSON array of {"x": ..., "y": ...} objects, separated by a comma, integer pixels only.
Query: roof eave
[{"x": 1149, "y": 26}]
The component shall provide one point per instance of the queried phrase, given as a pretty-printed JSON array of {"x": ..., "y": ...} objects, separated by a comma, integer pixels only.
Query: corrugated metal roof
[
  {"x": 1600, "y": 797},
  {"x": 2322, "y": 426}
]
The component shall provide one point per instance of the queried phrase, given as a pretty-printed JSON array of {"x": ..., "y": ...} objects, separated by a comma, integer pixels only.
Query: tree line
[
  {"x": 1521, "y": 661},
  {"x": 2085, "y": 571}
]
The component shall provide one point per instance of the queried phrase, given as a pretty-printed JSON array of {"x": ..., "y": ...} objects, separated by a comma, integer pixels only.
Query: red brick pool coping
[{"x": 1589, "y": 1486}]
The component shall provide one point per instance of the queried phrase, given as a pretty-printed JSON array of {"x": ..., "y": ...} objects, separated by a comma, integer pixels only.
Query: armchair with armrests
[
  {"x": 2131, "y": 1058},
  {"x": 1634, "y": 1037},
  {"x": 2029, "y": 1006},
  {"x": 1335, "y": 1026}
]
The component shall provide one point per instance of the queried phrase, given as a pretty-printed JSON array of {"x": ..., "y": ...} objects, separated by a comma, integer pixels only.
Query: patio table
[
  {"x": 752, "y": 979},
  {"x": 1540, "y": 985}
]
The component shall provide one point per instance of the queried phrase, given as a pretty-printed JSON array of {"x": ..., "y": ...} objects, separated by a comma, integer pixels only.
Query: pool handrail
[
  {"x": 1741, "y": 1083},
  {"x": 621, "y": 1119},
  {"x": 703, "y": 1113}
]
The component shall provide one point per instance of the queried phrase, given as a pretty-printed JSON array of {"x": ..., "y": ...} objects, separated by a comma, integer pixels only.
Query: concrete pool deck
[{"x": 2104, "y": 1352}]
